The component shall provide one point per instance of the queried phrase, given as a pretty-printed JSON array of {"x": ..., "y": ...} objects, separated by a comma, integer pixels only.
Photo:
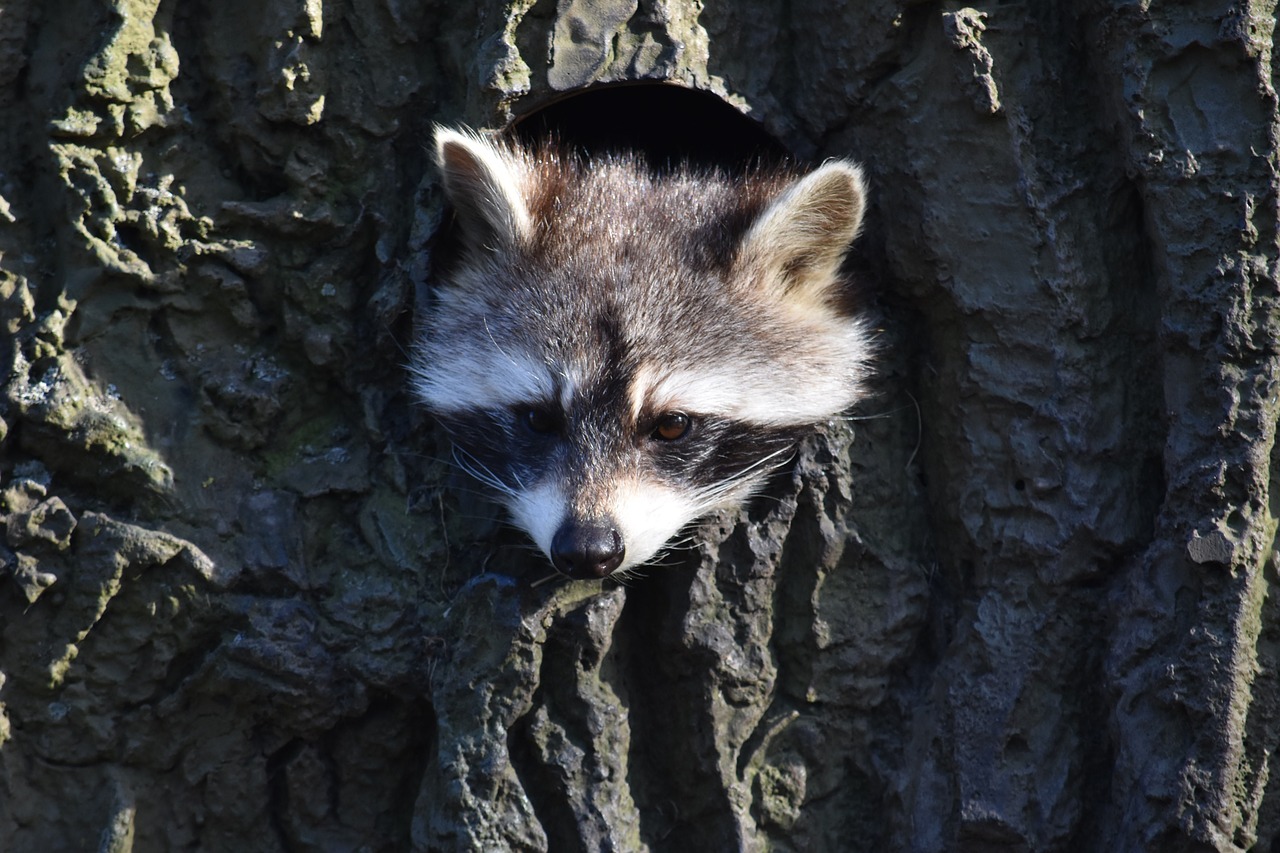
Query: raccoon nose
[{"x": 586, "y": 550}]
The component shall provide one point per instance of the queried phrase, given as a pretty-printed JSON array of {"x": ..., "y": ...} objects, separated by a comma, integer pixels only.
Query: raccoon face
[
  {"x": 601, "y": 484},
  {"x": 618, "y": 353}
]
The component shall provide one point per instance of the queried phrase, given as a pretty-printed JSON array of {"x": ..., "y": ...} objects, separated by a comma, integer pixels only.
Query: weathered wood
[{"x": 1018, "y": 601}]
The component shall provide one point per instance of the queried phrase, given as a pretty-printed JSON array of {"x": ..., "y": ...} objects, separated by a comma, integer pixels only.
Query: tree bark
[{"x": 1017, "y": 601}]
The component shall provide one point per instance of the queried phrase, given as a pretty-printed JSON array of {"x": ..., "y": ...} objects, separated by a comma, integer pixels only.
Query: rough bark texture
[{"x": 1022, "y": 604}]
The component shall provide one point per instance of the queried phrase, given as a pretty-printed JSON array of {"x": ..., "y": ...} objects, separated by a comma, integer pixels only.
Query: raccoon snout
[{"x": 587, "y": 549}]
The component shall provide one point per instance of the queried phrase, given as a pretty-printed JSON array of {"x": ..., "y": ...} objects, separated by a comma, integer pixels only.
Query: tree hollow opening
[{"x": 664, "y": 122}]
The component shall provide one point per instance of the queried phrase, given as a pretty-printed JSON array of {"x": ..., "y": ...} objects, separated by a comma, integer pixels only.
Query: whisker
[
  {"x": 708, "y": 497},
  {"x": 625, "y": 577},
  {"x": 469, "y": 492},
  {"x": 919, "y": 431},
  {"x": 480, "y": 471},
  {"x": 548, "y": 579},
  {"x": 472, "y": 518},
  {"x": 872, "y": 417}
]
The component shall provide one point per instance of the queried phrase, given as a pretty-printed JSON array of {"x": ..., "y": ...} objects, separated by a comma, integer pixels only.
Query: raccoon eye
[
  {"x": 540, "y": 420},
  {"x": 671, "y": 427}
]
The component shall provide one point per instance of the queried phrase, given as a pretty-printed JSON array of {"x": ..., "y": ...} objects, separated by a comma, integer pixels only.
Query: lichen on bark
[{"x": 1018, "y": 600}]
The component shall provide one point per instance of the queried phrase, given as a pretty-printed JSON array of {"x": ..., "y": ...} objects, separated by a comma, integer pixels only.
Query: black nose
[{"x": 586, "y": 549}]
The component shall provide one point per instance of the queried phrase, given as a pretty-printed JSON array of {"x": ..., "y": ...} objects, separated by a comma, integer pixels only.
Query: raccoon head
[{"x": 617, "y": 352}]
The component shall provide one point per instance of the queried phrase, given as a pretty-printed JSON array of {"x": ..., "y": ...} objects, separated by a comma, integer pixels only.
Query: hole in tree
[{"x": 665, "y": 122}]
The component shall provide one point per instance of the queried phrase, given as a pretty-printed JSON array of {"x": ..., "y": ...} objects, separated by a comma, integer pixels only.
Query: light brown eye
[
  {"x": 672, "y": 426},
  {"x": 540, "y": 420}
]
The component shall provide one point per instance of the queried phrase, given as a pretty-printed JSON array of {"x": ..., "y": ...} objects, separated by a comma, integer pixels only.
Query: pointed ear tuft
[
  {"x": 484, "y": 183},
  {"x": 798, "y": 242}
]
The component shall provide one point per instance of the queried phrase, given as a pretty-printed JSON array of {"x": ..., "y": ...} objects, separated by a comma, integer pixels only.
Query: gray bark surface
[{"x": 1019, "y": 601}]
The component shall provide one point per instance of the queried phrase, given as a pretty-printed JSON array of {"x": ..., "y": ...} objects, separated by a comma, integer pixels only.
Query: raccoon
[{"x": 617, "y": 351}]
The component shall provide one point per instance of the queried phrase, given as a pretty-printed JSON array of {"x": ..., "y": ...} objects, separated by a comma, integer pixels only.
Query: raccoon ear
[
  {"x": 483, "y": 182},
  {"x": 801, "y": 238}
]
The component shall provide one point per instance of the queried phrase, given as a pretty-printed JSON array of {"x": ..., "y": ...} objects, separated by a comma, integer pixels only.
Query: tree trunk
[{"x": 1018, "y": 601}]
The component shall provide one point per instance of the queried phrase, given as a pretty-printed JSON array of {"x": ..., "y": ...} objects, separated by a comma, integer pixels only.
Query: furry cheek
[
  {"x": 647, "y": 515},
  {"x": 539, "y": 511}
]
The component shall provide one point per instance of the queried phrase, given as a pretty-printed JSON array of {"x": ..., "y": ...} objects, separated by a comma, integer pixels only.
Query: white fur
[
  {"x": 763, "y": 394},
  {"x": 485, "y": 180},
  {"x": 569, "y": 385},
  {"x": 539, "y": 511},
  {"x": 481, "y": 379},
  {"x": 648, "y": 515}
]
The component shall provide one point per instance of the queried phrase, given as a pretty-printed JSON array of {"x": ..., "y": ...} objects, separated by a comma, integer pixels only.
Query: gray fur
[{"x": 605, "y": 296}]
